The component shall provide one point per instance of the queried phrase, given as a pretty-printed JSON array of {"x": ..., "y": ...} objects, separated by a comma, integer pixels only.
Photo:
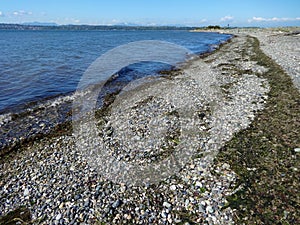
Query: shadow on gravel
[{"x": 19, "y": 216}]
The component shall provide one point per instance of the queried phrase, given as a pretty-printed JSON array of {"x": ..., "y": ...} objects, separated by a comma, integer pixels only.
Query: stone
[
  {"x": 209, "y": 209},
  {"x": 177, "y": 220},
  {"x": 116, "y": 204},
  {"x": 173, "y": 187},
  {"x": 87, "y": 203},
  {"x": 167, "y": 205},
  {"x": 198, "y": 184},
  {"x": 26, "y": 192},
  {"x": 201, "y": 209},
  {"x": 58, "y": 217},
  {"x": 164, "y": 215}
]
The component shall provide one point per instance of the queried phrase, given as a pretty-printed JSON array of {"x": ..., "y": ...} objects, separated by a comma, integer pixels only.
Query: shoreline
[
  {"x": 235, "y": 77},
  {"x": 41, "y": 109}
]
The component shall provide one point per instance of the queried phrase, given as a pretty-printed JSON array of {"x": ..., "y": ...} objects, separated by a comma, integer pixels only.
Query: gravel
[
  {"x": 282, "y": 47},
  {"x": 285, "y": 51}
]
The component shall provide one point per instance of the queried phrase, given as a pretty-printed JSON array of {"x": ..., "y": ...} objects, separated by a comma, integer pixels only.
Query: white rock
[
  {"x": 26, "y": 192},
  {"x": 58, "y": 217},
  {"x": 177, "y": 221},
  {"x": 167, "y": 204},
  {"x": 201, "y": 209},
  {"x": 203, "y": 203},
  {"x": 173, "y": 187},
  {"x": 297, "y": 149},
  {"x": 198, "y": 184},
  {"x": 164, "y": 215},
  {"x": 187, "y": 202},
  {"x": 209, "y": 209}
]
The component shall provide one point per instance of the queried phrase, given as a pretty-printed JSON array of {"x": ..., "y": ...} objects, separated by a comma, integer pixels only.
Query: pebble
[
  {"x": 173, "y": 187},
  {"x": 201, "y": 209},
  {"x": 167, "y": 205},
  {"x": 116, "y": 203},
  {"x": 198, "y": 184},
  {"x": 26, "y": 192},
  {"x": 86, "y": 203},
  {"x": 209, "y": 209},
  {"x": 164, "y": 214},
  {"x": 58, "y": 217}
]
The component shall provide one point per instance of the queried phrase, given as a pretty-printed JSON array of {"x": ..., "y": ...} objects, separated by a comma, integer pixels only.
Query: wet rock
[{"x": 117, "y": 203}]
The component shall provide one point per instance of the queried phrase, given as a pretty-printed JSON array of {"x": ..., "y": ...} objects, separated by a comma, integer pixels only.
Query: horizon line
[{"x": 53, "y": 24}]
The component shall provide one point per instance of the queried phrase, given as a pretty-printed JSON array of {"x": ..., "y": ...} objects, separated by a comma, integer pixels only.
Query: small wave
[{"x": 63, "y": 67}]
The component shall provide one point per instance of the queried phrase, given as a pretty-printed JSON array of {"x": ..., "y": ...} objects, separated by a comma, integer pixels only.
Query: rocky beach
[{"x": 237, "y": 110}]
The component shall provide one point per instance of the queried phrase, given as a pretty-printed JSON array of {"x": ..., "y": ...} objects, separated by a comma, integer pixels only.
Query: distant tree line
[
  {"x": 4, "y": 26},
  {"x": 213, "y": 27}
]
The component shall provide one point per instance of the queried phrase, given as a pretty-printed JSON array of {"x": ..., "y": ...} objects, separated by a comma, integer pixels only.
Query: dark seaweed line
[{"x": 263, "y": 155}]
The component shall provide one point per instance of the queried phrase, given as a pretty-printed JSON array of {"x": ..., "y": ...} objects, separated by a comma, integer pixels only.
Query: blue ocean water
[{"x": 36, "y": 65}]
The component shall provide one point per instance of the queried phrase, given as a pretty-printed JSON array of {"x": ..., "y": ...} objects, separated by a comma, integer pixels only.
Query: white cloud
[
  {"x": 1, "y": 13},
  {"x": 227, "y": 18},
  {"x": 151, "y": 24},
  {"x": 21, "y": 13},
  {"x": 203, "y": 21},
  {"x": 274, "y": 19},
  {"x": 68, "y": 20}
]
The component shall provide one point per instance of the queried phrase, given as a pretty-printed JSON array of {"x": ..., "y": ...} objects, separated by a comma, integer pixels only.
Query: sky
[{"x": 262, "y": 13}]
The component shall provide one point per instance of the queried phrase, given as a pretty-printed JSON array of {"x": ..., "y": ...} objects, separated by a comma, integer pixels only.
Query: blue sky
[{"x": 154, "y": 12}]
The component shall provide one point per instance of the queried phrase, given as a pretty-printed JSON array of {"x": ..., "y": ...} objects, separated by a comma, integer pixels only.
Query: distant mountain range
[
  {"x": 54, "y": 26},
  {"x": 39, "y": 24}
]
